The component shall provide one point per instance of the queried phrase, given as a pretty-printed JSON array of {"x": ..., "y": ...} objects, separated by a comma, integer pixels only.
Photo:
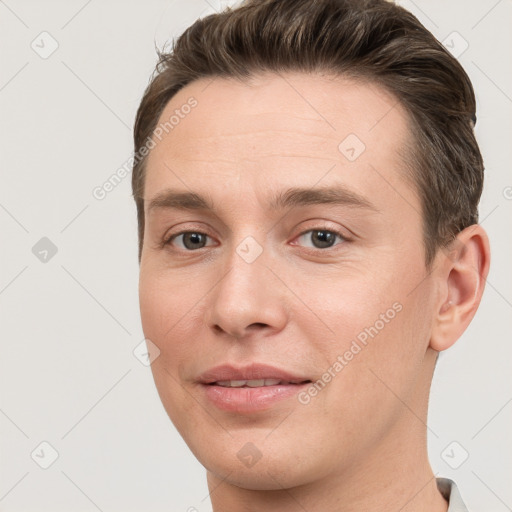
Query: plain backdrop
[{"x": 71, "y": 77}]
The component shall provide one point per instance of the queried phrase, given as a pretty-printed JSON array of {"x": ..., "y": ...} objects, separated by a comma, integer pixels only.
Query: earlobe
[{"x": 463, "y": 268}]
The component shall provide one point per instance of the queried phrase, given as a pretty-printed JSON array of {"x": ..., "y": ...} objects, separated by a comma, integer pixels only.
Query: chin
[
  {"x": 261, "y": 477},
  {"x": 238, "y": 462}
]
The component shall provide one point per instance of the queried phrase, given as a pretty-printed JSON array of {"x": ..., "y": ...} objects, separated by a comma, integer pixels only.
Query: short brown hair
[{"x": 373, "y": 40}]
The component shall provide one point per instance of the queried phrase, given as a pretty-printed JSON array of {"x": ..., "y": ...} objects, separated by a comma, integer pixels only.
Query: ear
[{"x": 462, "y": 268}]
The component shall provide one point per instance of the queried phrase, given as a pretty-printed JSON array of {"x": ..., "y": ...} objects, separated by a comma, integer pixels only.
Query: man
[{"x": 307, "y": 182}]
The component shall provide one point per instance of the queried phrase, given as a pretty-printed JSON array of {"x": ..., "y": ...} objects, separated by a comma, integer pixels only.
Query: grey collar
[{"x": 451, "y": 493}]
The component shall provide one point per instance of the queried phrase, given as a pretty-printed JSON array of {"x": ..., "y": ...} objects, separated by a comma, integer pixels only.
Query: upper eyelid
[{"x": 314, "y": 228}]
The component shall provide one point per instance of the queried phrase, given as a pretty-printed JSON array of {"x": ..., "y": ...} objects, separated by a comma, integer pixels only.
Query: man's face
[{"x": 298, "y": 285}]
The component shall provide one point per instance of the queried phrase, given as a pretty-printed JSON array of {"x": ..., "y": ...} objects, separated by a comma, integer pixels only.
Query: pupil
[
  {"x": 189, "y": 239},
  {"x": 323, "y": 239}
]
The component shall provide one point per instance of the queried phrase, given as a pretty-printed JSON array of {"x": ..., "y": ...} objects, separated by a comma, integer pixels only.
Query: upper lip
[{"x": 254, "y": 371}]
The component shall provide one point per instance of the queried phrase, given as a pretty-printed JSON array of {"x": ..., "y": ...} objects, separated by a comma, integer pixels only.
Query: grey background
[{"x": 69, "y": 324}]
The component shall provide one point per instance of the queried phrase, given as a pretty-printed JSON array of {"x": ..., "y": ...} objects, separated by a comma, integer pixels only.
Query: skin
[{"x": 360, "y": 444}]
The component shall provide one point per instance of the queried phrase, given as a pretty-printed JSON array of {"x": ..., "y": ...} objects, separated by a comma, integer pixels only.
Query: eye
[
  {"x": 188, "y": 240},
  {"x": 321, "y": 238}
]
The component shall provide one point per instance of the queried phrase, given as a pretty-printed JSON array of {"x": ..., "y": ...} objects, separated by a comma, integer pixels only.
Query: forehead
[{"x": 278, "y": 129}]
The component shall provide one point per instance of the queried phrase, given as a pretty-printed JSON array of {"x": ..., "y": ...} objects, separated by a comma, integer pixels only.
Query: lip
[
  {"x": 249, "y": 400},
  {"x": 252, "y": 371}
]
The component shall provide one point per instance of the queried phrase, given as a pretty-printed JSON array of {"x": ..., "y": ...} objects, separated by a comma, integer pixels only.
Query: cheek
[
  {"x": 378, "y": 328},
  {"x": 165, "y": 300},
  {"x": 172, "y": 307},
  {"x": 346, "y": 306},
  {"x": 167, "y": 308}
]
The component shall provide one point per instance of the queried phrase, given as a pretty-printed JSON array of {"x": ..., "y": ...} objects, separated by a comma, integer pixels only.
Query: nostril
[{"x": 258, "y": 324}]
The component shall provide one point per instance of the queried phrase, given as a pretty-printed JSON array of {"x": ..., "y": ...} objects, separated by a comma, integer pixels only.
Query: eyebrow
[
  {"x": 335, "y": 194},
  {"x": 290, "y": 198}
]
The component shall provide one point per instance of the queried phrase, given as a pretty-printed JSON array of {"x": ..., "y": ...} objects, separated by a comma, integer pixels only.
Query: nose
[{"x": 248, "y": 299}]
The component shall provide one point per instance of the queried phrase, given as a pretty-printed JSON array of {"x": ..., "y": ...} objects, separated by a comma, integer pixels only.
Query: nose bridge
[{"x": 246, "y": 294}]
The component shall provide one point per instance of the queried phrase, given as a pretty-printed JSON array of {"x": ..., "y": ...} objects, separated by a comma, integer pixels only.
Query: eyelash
[{"x": 343, "y": 238}]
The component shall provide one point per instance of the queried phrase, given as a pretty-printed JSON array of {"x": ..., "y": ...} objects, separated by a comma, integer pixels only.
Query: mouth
[
  {"x": 251, "y": 375},
  {"x": 251, "y": 388},
  {"x": 256, "y": 383}
]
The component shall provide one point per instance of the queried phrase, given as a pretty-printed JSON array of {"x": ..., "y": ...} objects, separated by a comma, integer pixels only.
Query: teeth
[
  {"x": 273, "y": 382},
  {"x": 255, "y": 383}
]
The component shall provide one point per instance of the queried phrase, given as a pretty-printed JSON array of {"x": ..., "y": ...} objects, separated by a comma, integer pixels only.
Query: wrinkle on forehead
[
  {"x": 282, "y": 116},
  {"x": 289, "y": 127}
]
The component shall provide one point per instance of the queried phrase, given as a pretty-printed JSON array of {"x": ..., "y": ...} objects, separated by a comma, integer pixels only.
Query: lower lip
[{"x": 250, "y": 399}]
